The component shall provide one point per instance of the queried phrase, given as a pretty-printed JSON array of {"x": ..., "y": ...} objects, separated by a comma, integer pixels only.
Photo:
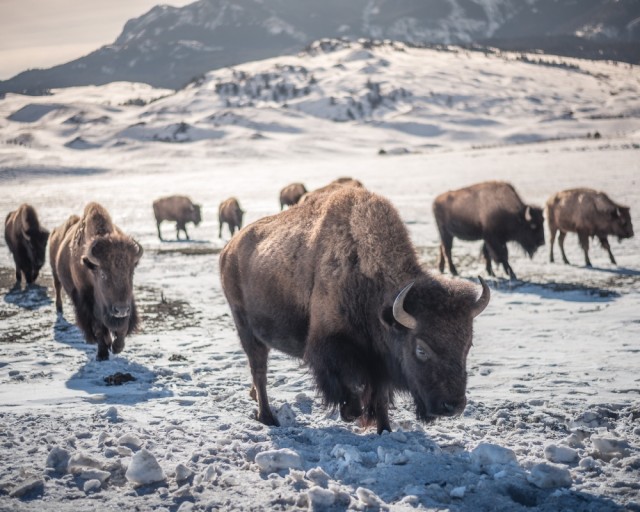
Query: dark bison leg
[
  {"x": 159, "y": 233},
  {"x": 220, "y": 230},
  {"x": 338, "y": 373},
  {"x": 441, "y": 259},
  {"x": 605, "y": 244},
  {"x": 58, "y": 288},
  {"x": 584, "y": 243},
  {"x": 487, "y": 257},
  {"x": 258, "y": 354},
  {"x": 502, "y": 256},
  {"x": 561, "y": 238},
  {"x": 118, "y": 342},
  {"x": 184, "y": 228},
  {"x": 376, "y": 407},
  {"x": 552, "y": 241},
  {"x": 103, "y": 336},
  {"x": 447, "y": 243}
]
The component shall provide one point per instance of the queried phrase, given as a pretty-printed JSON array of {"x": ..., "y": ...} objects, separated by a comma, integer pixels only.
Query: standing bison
[
  {"x": 588, "y": 213},
  {"x": 338, "y": 283},
  {"x": 27, "y": 241},
  {"x": 490, "y": 211},
  {"x": 291, "y": 194},
  {"x": 94, "y": 261},
  {"x": 230, "y": 213},
  {"x": 179, "y": 209}
]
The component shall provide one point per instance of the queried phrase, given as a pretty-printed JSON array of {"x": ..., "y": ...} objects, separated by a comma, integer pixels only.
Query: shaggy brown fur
[
  {"x": 27, "y": 241},
  {"x": 94, "y": 261},
  {"x": 179, "y": 209},
  {"x": 291, "y": 194},
  {"x": 230, "y": 213},
  {"x": 588, "y": 213},
  {"x": 490, "y": 211},
  {"x": 319, "y": 281}
]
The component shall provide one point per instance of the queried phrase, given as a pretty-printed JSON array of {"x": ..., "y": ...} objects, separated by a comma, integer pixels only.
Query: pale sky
[{"x": 43, "y": 33}]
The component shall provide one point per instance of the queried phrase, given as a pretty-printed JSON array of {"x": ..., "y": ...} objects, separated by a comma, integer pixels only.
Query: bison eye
[
  {"x": 423, "y": 351},
  {"x": 103, "y": 276}
]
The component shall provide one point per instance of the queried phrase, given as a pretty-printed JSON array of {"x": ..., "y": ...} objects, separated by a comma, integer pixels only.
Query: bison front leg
[
  {"x": 584, "y": 243},
  {"x": 447, "y": 244},
  {"x": 58, "y": 287},
  {"x": 552, "y": 241},
  {"x": 376, "y": 408},
  {"x": 159, "y": 232},
  {"x": 605, "y": 245},
  {"x": 487, "y": 258},
  {"x": 103, "y": 337}
]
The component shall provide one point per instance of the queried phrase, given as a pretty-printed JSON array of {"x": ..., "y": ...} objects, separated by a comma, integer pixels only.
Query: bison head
[
  {"x": 621, "y": 222},
  {"x": 111, "y": 261},
  {"x": 196, "y": 216},
  {"x": 35, "y": 241},
  {"x": 531, "y": 232},
  {"x": 431, "y": 321}
]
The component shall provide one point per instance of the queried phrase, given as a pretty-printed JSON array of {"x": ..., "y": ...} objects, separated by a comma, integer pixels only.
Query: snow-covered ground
[{"x": 554, "y": 390}]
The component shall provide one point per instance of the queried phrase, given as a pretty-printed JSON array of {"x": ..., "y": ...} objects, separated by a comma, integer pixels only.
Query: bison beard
[{"x": 336, "y": 281}]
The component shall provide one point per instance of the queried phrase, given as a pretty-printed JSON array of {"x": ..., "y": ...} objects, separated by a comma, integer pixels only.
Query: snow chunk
[
  {"x": 31, "y": 487},
  {"x": 110, "y": 414},
  {"x": 144, "y": 469},
  {"x": 95, "y": 474},
  {"x": 91, "y": 486},
  {"x": 286, "y": 416},
  {"x": 609, "y": 447},
  {"x": 560, "y": 454},
  {"x": 275, "y": 460},
  {"x": 318, "y": 476},
  {"x": 58, "y": 459},
  {"x": 490, "y": 458},
  {"x": 390, "y": 456},
  {"x": 367, "y": 498},
  {"x": 182, "y": 473},
  {"x": 549, "y": 476},
  {"x": 319, "y": 497},
  {"x": 130, "y": 440},
  {"x": 458, "y": 492},
  {"x": 80, "y": 462},
  {"x": 347, "y": 452}
]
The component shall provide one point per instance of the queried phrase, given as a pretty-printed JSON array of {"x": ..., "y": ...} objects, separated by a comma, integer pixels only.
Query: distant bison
[
  {"x": 337, "y": 283},
  {"x": 230, "y": 213},
  {"x": 588, "y": 213},
  {"x": 179, "y": 209},
  {"x": 490, "y": 211},
  {"x": 291, "y": 194},
  {"x": 94, "y": 261},
  {"x": 27, "y": 241}
]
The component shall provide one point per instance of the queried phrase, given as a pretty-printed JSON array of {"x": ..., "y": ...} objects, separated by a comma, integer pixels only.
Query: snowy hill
[{"x": 168, "y": 46}]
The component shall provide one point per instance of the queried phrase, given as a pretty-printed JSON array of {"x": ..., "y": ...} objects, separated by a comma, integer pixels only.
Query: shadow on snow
[{"x": 33, "y": 296}]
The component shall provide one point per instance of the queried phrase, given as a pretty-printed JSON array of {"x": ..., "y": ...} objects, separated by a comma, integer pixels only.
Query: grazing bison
[
  {"x": 93, "y": 260},
  {"x": 338, "y": 283},
  {"x": 490, "y": 211},
  {"x": 27, "y": 241},
  {"x": 231, "y": 213},
  {"x": 291, "y": 194},
  {"x": 179, "y": 209},
  {"x": 588, "y": 213}
]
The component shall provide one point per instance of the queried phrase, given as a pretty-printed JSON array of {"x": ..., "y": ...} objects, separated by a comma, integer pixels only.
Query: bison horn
[
  {"x": 399, "y": 313},
  {"x": 482, "y": 302},
  {"x": 26, "y": 235},
  {"x": 527, "y": 214}
]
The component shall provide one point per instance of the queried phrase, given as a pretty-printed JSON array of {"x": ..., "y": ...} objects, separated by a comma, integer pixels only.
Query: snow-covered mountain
[{"x": 168, "y": 46}]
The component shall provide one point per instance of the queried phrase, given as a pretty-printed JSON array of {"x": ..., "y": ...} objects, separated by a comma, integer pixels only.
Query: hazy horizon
[{"x": 36, "y": 34}]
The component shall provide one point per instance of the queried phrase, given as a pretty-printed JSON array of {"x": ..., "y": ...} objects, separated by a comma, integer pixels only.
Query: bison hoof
[
  {"x": 268, "y": 419},
  {"x": 117, "y": 346},
  {"x": 102, "y": 357},
  {"x": 351, "y": 410}
]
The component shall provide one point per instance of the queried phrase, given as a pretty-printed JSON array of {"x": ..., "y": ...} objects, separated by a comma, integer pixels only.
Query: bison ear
[
  {"x": 26, "y": 235},
  {"x": 139, "y": 251}
]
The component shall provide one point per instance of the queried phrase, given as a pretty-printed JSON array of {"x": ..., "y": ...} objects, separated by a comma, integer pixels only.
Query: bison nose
[
  {"x": 120, "y": 311},
  {"x": 452, "y": 407}
]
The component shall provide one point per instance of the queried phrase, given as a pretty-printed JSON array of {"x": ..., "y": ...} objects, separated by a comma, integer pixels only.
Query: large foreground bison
[
  {"x": 490, "y": 211},
  {"x": 94, "y": 261},
  {"x": 178, "y": 209},
  {"x": 230, "y": 213},
  {"x": 291, "y": 194},
  {"x": 337, "y": 283},
  {"x": 27, "y": 241},
  {"x": 588, "y": 213}
]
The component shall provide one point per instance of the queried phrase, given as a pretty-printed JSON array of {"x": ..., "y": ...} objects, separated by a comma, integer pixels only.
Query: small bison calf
[
  {"x": 27, "y": 241},
  {"x": 179, "y": 209},
  {"x": 588, "y": 213},
  {"x": 230, "y": 213}
]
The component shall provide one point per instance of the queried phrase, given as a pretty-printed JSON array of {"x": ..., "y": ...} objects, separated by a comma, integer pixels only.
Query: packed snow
[{"x": 554, "y": 392}]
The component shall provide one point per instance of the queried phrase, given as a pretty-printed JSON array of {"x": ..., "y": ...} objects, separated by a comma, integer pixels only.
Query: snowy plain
[{"x": 554, "y": 388}]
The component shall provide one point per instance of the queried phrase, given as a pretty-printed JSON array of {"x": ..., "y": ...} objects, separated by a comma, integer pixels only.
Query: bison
[
  {"x": 588, "y": 213},
  {"x": 179, "y": 209},
  {"x": 27, "y": 241},
  {"x": 231, "y": 213},
  {"x": 492, "y": 212},
  {"x": 94, "y": 261},
  {"x": 338, "y": 283},
  {"x": 291, "y": 194}
]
